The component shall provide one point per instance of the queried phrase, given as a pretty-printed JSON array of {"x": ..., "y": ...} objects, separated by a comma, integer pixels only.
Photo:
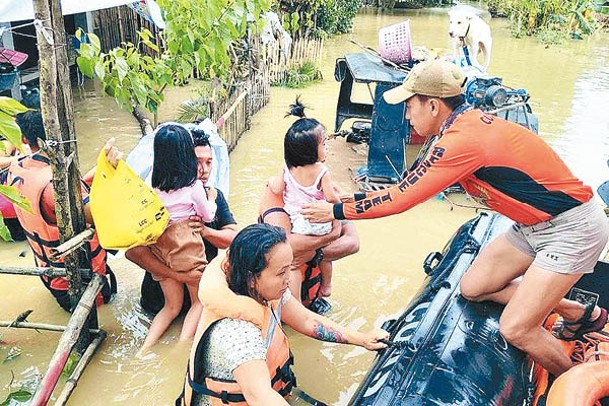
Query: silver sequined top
[{"x": 232, "y": 343}]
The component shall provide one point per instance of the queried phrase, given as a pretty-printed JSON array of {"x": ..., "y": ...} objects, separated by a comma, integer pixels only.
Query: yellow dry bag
[{"x": 127, "y": 213}]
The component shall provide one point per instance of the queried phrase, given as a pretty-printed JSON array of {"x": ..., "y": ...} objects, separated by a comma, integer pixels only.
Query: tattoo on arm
[{"x": 329, "y": 334}]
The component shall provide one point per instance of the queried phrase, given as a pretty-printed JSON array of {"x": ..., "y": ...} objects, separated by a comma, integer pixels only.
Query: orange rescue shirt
[{"x": 500, "y": 163}]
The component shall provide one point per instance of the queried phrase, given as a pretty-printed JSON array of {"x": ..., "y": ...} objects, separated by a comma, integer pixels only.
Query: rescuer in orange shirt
[{"x": 559, "y": 231}]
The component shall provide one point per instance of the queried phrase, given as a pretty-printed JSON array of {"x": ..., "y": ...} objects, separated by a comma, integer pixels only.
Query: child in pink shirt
[
  {"x": 175, "y": 179},
  {"x": 305, "y": 179}
]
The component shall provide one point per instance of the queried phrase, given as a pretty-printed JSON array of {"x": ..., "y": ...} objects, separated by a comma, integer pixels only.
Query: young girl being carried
[
  {"x": 175, "y": 179},
  {"x": 305, "y": 179}
]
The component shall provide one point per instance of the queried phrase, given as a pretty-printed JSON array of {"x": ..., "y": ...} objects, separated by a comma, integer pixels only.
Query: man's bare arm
[
  {"x": 347, "y": 244},
  {"x": 145, "y": 259},
  {"x": 303, "y": 246},
  {"x": 219, "y": 238}
]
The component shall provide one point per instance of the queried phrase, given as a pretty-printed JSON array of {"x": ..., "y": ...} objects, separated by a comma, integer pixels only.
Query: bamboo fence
[
  {"x": 278, "y": 62},
  {"x": 121, "y": 24},
  {"x": 237, "y": 122}
]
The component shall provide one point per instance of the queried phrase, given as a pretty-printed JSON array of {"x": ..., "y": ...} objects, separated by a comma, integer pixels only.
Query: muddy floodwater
[{"x": 570, "y": 93}]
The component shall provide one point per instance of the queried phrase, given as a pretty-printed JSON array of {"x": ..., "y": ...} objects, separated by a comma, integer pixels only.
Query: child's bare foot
[{"x": 325, "y": 290}]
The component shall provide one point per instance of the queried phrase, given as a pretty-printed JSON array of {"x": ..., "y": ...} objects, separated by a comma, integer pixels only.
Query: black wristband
[{"x": 338, "y": 211}]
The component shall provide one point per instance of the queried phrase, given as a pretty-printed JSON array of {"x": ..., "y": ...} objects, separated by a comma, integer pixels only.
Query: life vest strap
[
  {"x": 284, "y": 374},
  {"x": 202, "y": 389},
  {"x": 96, "y": 251},
  {"x": 308, "y": 281},
  {"x": 40, "y": 241},
  {"x": 269, "y": 211}
]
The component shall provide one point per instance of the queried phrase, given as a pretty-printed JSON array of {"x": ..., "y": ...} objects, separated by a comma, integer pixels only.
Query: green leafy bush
[
  {"x": 337, "y": 17},
  {"x": 301, "y": 76},
  {"x": 318, "y": 18},
  {"x": 552, "y": 21}
]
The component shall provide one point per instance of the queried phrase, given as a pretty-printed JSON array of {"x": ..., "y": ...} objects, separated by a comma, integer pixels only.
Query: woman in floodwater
[{"x": 240, "y": 352}]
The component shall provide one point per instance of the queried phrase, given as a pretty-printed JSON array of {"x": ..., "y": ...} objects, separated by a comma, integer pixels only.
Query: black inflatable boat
[{"x": 446, "y": 350}]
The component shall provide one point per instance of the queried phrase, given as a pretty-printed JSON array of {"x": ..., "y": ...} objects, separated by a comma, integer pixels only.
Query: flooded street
[{"x": 569, "y": 86}]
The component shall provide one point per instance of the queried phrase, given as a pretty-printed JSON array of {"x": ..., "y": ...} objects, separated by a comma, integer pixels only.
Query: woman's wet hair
[
  {"x": 248, "y": 256},
  {"x": 302, "y": 139},
  {"x": 175, "y": 163}
]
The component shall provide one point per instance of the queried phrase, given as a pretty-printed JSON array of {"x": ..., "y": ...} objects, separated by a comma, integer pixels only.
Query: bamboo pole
[
  {"x": 231, "y": 109},
  {"x": 80, "y": 367},
  {"x": 72, "y": 244},
  {"x": 39, "y": 326},
  {"x": 67, "y": 341},
  {"x": 50, "y": 272}
]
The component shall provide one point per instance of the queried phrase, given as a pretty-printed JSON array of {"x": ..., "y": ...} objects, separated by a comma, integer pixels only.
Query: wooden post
[
  {"x": 68, "y": 339},
  {"x": 57, "y": 114}
]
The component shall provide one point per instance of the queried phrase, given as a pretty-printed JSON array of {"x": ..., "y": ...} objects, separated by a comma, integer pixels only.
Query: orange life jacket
[
  {"x": 31, "y": 176},
  {"x": 311, "y": 280},
  {"x": 583, "y": 385},
  {"x": 278, "y": 360}
]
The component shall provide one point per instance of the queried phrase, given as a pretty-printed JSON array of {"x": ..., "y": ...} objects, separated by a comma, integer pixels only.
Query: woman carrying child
[
  {"x": 174, "y": 178},
  {"x": 305, "y": 179}
]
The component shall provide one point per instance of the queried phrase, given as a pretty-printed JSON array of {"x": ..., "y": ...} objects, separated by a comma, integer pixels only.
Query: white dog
[{"x": 466, "y": 28}]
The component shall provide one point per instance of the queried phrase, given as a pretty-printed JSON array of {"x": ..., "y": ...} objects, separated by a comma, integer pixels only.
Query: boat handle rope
[{"x": 400, "y": 345}]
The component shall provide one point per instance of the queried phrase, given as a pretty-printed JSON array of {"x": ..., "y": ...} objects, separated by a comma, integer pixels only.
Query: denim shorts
[{"x": 569, "y": 243}]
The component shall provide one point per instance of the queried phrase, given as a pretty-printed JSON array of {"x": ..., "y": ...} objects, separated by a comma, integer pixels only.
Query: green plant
[
  {"x": 337, "y": 16},
  {"x": 199, "y": 35},
  {"x": 497, "y": 8},
  {"x": 301, "y": 76},
  {"x": 192, "y": 110},
  {"x": 582, "y": 21},
  {"x": 549, "y": 36},
  {"x": 550, "y": 20},
  {"x": 318, "y": 18},
  {"x": 10, "y": 131},
  {"x": 131, "y": 77},
  {"x": 19, "y": 396},
  {"x": 71, "y": 364}
]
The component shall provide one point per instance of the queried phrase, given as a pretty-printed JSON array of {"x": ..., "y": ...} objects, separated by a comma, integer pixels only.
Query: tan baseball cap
[{"x": 430, "y": 78}]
